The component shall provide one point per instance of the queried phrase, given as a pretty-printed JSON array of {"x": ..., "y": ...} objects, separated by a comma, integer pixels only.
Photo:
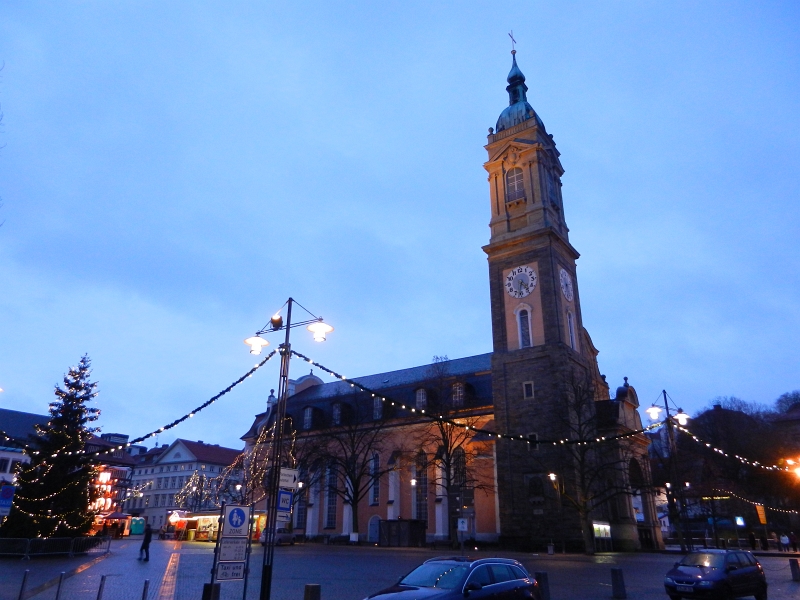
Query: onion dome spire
[{"x": 518, "y": 108}]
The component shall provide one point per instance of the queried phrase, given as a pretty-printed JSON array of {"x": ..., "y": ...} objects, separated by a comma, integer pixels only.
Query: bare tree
[
  {"x": 456, "y": 461},
  {"x": 590, "y": 477},
  {"x": 345, "y": 450}
]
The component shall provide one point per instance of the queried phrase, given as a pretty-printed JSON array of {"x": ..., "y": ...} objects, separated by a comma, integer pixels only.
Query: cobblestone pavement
[{"x": 178, "y": 570}]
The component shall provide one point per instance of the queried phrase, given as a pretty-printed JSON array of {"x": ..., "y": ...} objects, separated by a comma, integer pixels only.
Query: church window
[
  {"x": 524, "y": 329},
  {"x": 421, "y": 488},
  {"x": 377, "y": 408},
  {"x": 458, "y": 395},
  {"x": 330, "y": 498},
  {"x": 515, "y": 187},
  {"x": 337, "y": 413},
  {"x": 571, "y": 326},
  {"x": 527, "y": 390},
  {"x": 421, "y": 398},
  {"x": 533, "y": 438},
  {"x": 308, "y": 417},
  {"x": 523, "y": 314},
  {"x": 375, "y": 467}
]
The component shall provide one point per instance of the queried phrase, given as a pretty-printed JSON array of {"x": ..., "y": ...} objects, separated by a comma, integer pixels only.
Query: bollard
[
  {"x": 313, "y": 591},
  {"x": 544, "y": 584},
  {"x": 617, "y": 584},
  {"x": 211, "y": 591},
  {"x": 25, "y": 580},
  {"x": 102, "y": 585},
  {"x": 144, "y": 591},
  {"x": 60, "y": 582},
  {"x": 795, "y": 569}
]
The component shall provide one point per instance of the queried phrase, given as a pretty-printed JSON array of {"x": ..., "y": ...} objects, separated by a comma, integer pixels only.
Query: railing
[{"x": 26, "y": 548}]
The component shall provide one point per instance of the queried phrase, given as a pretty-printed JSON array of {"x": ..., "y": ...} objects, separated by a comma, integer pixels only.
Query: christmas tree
[{"x": 54, "y": 489}]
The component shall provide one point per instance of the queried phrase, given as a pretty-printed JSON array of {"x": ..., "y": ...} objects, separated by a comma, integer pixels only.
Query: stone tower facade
[{"x": 543, "y": 358}]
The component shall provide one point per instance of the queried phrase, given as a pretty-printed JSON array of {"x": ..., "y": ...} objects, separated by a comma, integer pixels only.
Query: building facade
[{"x": 184, "y": 475}]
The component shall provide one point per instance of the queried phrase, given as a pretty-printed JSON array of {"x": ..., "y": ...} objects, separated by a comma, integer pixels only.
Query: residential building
[{"x": 182, "y": 475}]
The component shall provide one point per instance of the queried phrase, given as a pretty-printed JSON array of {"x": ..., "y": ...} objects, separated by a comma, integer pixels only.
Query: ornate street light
[{"x": 320, "y": 329}]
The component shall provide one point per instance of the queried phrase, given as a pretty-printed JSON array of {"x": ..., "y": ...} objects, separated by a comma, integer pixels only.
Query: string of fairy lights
[
  {"x": 741, "y": 459},
  {"x": 489, "y": 433},
  {"x": 260, "y": 467},
  {"x": 164, "y": 428},
  {"x": 753, "y": 502}
]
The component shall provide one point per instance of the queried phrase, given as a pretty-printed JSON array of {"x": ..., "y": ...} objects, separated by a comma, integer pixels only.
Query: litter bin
[
  {"x": 190, "y": 535},
  {"x": 551, "y": 549}
]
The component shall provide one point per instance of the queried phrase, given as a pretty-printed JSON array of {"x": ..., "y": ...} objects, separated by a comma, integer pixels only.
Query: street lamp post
[
  {"x": 316, "y": 326},
  {"x": 674, "y": 511}
]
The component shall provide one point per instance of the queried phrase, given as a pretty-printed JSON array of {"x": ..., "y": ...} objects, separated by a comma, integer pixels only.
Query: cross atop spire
[{"x": 513, "y": 42}]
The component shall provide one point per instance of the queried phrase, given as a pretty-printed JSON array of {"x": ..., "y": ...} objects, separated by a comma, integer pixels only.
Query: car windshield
[
  {"x": 436, "y": 575},
  {"x": 703, "y": 559}
]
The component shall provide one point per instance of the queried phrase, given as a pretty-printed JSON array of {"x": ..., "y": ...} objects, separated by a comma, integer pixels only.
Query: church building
[{"x": 524, "y": 445}]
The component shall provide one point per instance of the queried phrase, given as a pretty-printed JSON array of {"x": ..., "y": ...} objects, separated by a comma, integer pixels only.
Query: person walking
[
  {"x": 784, "y": 542},
  {"x": 145, "y": 548},
  {"x": 793, "y": 541},
  {"x": 752, "y": 539}
]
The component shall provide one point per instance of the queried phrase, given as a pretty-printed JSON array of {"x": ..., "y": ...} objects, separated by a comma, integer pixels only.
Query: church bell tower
[{"x": 539, "y": 344}]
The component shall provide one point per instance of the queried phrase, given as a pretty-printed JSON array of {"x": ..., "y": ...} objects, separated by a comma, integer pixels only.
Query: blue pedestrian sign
[
  {"x": 236, "y": 521},
  {"x": 284, "y": 501}
]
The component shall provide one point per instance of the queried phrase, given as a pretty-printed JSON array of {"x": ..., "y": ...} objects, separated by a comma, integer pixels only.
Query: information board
[
  {"x": 232, "y": 549},
  {"x": 227, "y": 571},
  {"x": 6, "y": 498}
]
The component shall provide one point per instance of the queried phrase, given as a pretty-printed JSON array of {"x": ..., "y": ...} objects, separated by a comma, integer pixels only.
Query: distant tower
[{"x": 540, "y": 346}]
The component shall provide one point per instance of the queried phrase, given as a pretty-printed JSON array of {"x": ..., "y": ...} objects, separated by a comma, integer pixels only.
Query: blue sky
[{"x": 172, "y": 172}]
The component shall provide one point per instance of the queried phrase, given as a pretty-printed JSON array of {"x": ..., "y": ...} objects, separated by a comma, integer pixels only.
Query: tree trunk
[{"x": 587, "y": 528}]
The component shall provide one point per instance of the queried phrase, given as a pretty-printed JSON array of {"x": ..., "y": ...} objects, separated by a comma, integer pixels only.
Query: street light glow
[
  {"x": 320, "y": 330},
  {"x": 256, "y": 344},
  {"x": 653, "y": 412}
]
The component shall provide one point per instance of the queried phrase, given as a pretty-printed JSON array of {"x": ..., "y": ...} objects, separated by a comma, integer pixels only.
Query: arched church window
[
  {"x": 337, "y": 413},
  {"x": 571, "y": 326},
  {"x": 523, "y": 314},
  {"x": 458, "y": 395},
  {"x": 524, "y": 328},
  {"x": 421, "y": 398},
  {"x": 515, "y": 187},
  {"x": 308, "y": 417}
]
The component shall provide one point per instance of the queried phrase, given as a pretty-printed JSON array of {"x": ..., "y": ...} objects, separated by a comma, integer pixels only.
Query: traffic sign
[
  {"x": 227, "y": 571},
  {"x": 462, "y": 525},
  {"x": 236, "y": 521},
  {"x": 232, "y": 549},
  {"x": 284, "y": 501},
  {"x": 289, "y": 478},
  {"x": 6, "y": 498}
]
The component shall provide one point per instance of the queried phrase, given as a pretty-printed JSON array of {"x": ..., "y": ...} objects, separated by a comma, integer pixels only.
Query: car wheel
[{"x": 762, "y": 595}]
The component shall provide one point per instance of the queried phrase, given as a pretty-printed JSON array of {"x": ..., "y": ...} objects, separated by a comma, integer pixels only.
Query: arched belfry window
[
  {"x": 523, "y": 312},
  {"x": 515, "y": 186}
]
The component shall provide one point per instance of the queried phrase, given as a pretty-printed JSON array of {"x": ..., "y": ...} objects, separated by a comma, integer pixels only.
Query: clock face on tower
[
  {"x": 520, "y": 282},
  {"x": 566, "y": 285}
]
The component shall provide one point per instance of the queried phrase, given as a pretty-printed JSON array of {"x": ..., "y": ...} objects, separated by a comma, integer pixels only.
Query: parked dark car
[
  {"x": 715, "y": 574},
  {"x": 451, "y": 578}
]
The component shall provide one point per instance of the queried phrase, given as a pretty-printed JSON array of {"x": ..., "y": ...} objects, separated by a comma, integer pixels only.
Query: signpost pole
[{"x": 249, "y": 549}]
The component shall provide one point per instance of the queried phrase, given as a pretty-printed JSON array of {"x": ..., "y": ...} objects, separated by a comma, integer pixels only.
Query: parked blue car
[{"x": 716, "y": 574}]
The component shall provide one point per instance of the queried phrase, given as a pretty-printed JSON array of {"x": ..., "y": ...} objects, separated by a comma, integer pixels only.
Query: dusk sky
[{"x": 171, "y": 172}]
